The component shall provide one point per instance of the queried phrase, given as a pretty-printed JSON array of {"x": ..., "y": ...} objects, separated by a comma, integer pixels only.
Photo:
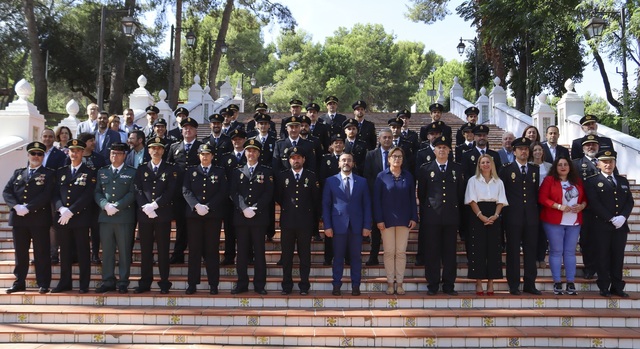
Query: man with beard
[
  {"x": 128, "y": 125},
  {"x": 332, "y": 118},
  {"x": 427, "y": 153},
  {"x": 298, "y": 193},
  {"x": 470, "y": 158},
  {"x": 230, "y": 123},
  {"x": 138, "y": 153},
  {"x": 219, "y": 142},
  {"x": 436, "y": 110},
  {"x": 54, "y": 158},
  {"x": 589, "y": 125},
  {"x": 280, "y": 156},
  {"x": 105, "y": 136},
  {"x": 366, "y": 128},
  {"x": 346, "y": 213}
]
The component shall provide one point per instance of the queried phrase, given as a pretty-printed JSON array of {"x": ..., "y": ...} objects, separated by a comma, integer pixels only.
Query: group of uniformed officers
[{"x": 234, "y": 177}]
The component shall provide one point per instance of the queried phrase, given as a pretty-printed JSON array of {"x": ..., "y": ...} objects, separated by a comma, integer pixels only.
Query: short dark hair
[
  {"x": 86, "y": 136},
  {"x": 139, "y": 134}
]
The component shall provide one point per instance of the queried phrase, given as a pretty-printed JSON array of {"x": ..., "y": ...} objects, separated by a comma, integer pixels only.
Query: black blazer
[
  {"x": 469, "y": 161},
  {"x": 560, "y": 152},
  {"x": 441, "y": 195},
  {"x": 576, "y": 146},
  {"x": 158, "y": 187},
  {"x": 252, "y": 191},
  {"x": 75, "y": 193},
  {"x": 223, "y": 146},
  {"x": 36, "y": 193},
  {"x": 335, "y": 125},
  {"x": 607, "y": 201},
  {"x": 56, "y": 159},
  {"x": 280, "y": 160},
  {"x": 522, "y": 194},
  {"x": 359, "y": 152},
  {"x": 211, "y": 190},
  {"x": 178, "y": 156},
  {"x": 299, "y": 200},
  {"x": 367, "y": 133}
]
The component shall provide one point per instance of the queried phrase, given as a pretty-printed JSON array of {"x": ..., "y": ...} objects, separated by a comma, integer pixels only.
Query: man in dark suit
[
  {"x": 298, "y": 193},
  {"x": 155, "y": 184},
  {"x": 436, "y": 110},
  {"x": 138, "y": 153},
  {"x": 280, "y": 157},
  {"x": 318, "y": 128},
  {"x": 590, "y": 127},
  {"x": 551, "y": 148},
  {"x": 470, "y": 158},
  {"x": 366, "y": 128},
  {"x": 355, "y": 146},
  {"x": 376, "y": 161},
  {"x": 441, "y": 195},
  {"x": 346, "y": 213},
  {"x": 28, "y": 195},
  {"x": 266, "y": 137},
  {"x": 252, "y": 192},
  {"x": 472, "y": 117},
  {"x": 72, "y": 203},
  {"x": 180, "y": 114},
  {"x": 184, "y": 154},
  {"x": 611, "y": 203},
  {"x": 407, "y": 134},
  {"x": 105, "y": 136},
  {"x": 54, "y": 158},
  {"x": 520, "y": 219},
  {"x": 220, "y": 142},
  {"x": 332, "y": 118}
]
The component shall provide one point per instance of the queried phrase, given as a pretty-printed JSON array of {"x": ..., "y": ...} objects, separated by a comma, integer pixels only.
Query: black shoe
[
  {"x": 43, "y": 290},
  {"x": 605, "y": 293},
  {"x": 96, "y": 260},
  {"x": 227, "y": 261},
  {"x": 103, "y": 289},
  {"x": 304, "y": 292},
  {"x": 372, "y": 261},
  {"x": 432, "y": 292},
  {"x": 262, "y": 292},
  {"x": 176, "y": 260},
  {"x": 213, "y": 290},
  {"x": 237, "y": 290},
  {"x": 83, "y": 291},
  {"x": 515, "y": 292},
  {"x": 533, "y": 291},
  {"x": 589, "y": 275},
  {"x": 16, "y": 288},
  {"x": 451, "y": 292},
  {"x": 355, "y": 291},
  {"x": 61, "y": 289},
  {"x": 190, "y": 290},
  {"x": 620, "y": 293},
  {"x": 285, "y": 292},
  {"x": 123, "y": 289},
  {"x": 139, "y": 290},
  {"x": 164, "y": 291},
  {"x": 327, "y": 263},
  {"x": 336, "y": 291}
]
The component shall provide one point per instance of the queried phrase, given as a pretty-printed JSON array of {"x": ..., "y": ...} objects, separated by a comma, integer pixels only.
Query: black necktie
[
  {"x": 115, "y": 171},
  {"x": 523, "y": 168},
  {"x": 187, "y": 147},
  {"x": 442, "y": 168},
  {"x": 347, "y": 188},
  {"x": 312, "y": 127},
  {"x": 205, "y": 170},
  {"x": 482, "y": 151},
  {"x": 404, "y": 133},
  {"x": 385, "y": 160},
  {"x": 611, "y": 181},
  {"x": 251, "y": 171},
  {"x": 294, "y": 143},
  {"x": 297, "y": 177},
  {"x": 595, "y": 162},
  {"x": 239, "y": 156},
  {"x": 351, "y": 143},
  {"x": 262, "y": 140},
  {"x": 215, "y": 140},
  {"x": 73, "y": 171},
  {"x": 155, "y": 169},
  {"x": 31, "y": 171}
]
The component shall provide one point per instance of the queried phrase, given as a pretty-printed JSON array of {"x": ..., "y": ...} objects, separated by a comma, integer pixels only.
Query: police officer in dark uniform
[
  {"x": 205, "y": 189},
  {"x": 73, "y": 202},
  {"x": 521, "y": 180},
  {"x": 436, "y": 110},
  {"x": 293, "y": 139},
  {"x": 298, "y": 193},
  {"x": 260, "y": 109},
  {"x": 407, "y": 134},
  {"x": 467, "y": 143},
  {"x": 28, "y": 194},
  {"x": 470, "y": 158},
  {"x": 395, "y": 125},
  {"x": 472, "y": 117},
  {"x": 318, "y": 128},
  {"x": 155, "y": 183},
  {"x": 230, "y": 123},
  {"x": 305, "y": 133},
  {"x": 354, "y": 145},
  {"x": 160, "y": 130},
  {"x": 220, "y": 142},
  {"x": 332, "y": 118},
  {"x": 611, "y": 203},
  {"x": 152, "y": 115},
  {"x": 427, "y": 153},
  {"x": 295, "y": 107},
  {"x": 589, "y": 125},
  {"x": 586, "y": 165},
  {"x": 441, "y": 196},
  {"x": 266, "y": 137},
  {"x": 180, "y": 113},
  {"x": 252, "y": 192},
  {"x": 184, "y": 154},
  {"x": 366, "y": 128}
]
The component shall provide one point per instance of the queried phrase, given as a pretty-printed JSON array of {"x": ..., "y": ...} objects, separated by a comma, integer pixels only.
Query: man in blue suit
[
  {"x": 346, "y": 213},
  {"x": 105, "y": 136}
]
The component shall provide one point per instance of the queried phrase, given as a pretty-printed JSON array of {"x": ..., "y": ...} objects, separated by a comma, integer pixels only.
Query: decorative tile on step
[
  {"x": 566, "y": 321},
  {"x": 613, "y": 303},
  {"x": 410, "y": 321},
  {"x": 597, "y": 343},
  {"x": 175, "y": 319},
  {"x": 514, "y": 342},
  {"x": 318, "y": 302},
  {"x": 28, "y": 299},
  {"x": 430, "y": 342},
  {"x": 539, "y": 303},
  {"x": 253, "y": 321},
  {"x": 172, "y": 301},
  {"x": 97, "y": 318},
  {"x": 262, "y": 340},
  {"x": 180, "y": 339},
  {"x": 98, "y": 338},
  {"x": 332, "y": 321},
  {"x": 99, "y": 300},
  {"x": 244, "y": 302},
  {"x": 17, "y": 338},
  {"x": 466, "y": 303},
  {"x": 24, "y": 318},
  {"x": 346, "y": 342},
  {"x": 488, "y": 321}
]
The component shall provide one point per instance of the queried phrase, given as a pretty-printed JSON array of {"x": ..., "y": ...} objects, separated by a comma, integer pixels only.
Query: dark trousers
[
  {"x": 376, "y": 239},
  {"x": 204, "y": 242},
  {"x": 292, "y": 238},
  {"x": 249, "y": 236},
  {"x": 179, "y": 207},
  {"x": 525, "y": 235},
  {"x": 422, "y": 231},
  {"x": 22, "y": 237},
  {"x": 158, "y": 232},
  {"x": 611, "y": 244},
  {"x": 347, "y": 244},
  {"x": 440, "y": 250},
  {"x": 271, "y": 229},
  {"x": 74, "y": 242},
  {"x": 484, "y": 245},
  {"x": 589, "y": 242},
  {"x": 95, "y": 231},
  {"x": 229, "y": 233}
]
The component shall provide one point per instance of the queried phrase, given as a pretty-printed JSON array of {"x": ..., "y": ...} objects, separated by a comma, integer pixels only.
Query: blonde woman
[{"x": 486, "y": 196}]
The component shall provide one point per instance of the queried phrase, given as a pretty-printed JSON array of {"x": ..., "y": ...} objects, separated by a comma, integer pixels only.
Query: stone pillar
[
  {"x": 139, "y": 100},
  {"x": 497, "y": 95},
  {"x": 165, "y": 110},
  {"x": 71, "y": 121},
  {"x": 440, "y": 93},
  {"x": 483, "y": 104},
  {"x": 226, "y": 91},
  {"x": 570, "y": 104},
  {"x": 456, "y": 90},
  {"x": 543, "y": 115}
]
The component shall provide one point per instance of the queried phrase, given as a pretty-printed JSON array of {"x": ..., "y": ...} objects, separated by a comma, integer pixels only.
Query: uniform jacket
[
  {"x": 607, "y": 201},
  {"x": 585, "y": 167},
  {"x": 235, "y": 124},
  {"x": 470, "y": 161},
  {"x": 340, "y": 212},
  {"x": 36, "y": 193},
  {"x": 522, "y": 194},
  {"x": 424, "y": 130},
  {"x": 299, "y": 201},
  {"x": 252, "y": 191},
  {"x": 441, "y": 194},
  {"x": 222, "y": 147},
  {"x": 75, "y": 193},
  {"x": 323, "y": 132},
  {"x": 335, "y": 125},
  {"x": 329, "y": 166},
  {"x": 605, "y": 143},
  {"x": 359, "y": 152},
  {"x": 119, "y": 190},
  {"x": 211, "y": 190},
  {"x": 281, "y": 156},
  {"x": 180, "y": 157},
  {"x": 158, "y": 187},
  {"x": 367, "y": 133}
]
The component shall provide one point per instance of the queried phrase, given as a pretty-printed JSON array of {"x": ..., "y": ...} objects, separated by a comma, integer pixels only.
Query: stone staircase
[{"x": 29, "y": 319}]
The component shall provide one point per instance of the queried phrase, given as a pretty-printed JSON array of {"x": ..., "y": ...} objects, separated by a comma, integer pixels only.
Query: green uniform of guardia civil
[{"x": 116, "y": 230}]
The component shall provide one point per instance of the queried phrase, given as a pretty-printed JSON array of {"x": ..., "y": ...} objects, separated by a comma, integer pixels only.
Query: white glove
[
  {"x": 65, "y": 215},
  {"x": 149, "y": 210},
  {"x": 152, "y": 214},
  {"x": 111, "y": 209},
  {"x": 153, "y": 205},
  {"x": 249, "y": 212},
  {"x": 618, "y": 221},
  {"x": 21, "y": 210},
  {"x": 202, "y": 209}
]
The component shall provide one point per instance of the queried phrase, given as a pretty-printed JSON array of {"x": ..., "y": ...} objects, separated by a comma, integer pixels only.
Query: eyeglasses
[
  {"x": 36, "y": 153},
  {"x": 397, "y": 157}
]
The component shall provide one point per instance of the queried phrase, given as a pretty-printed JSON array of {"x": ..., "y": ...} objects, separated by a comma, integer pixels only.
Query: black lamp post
[{"x": 461, "y": 47}]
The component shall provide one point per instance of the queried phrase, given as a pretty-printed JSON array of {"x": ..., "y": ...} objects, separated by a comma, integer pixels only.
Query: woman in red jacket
[{"x": 562, "y": 198}]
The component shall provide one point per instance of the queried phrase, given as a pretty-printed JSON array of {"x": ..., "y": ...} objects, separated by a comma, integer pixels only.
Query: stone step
[{"x": 480, "y": 336}]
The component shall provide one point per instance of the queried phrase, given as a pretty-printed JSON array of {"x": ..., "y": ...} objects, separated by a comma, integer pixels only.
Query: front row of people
[{"x": 503, "y": 201}]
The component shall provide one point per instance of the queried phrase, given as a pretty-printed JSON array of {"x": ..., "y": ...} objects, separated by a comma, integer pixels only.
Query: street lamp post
[
  {"x": 129, "y": 26},
  {"x": 191, "y": 41},
  {"x": 461, "y": 47},
  {"x": 595, "y": 28}
]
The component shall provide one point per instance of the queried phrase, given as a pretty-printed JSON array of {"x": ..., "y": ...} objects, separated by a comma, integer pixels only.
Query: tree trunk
[
  {"x": 605, "y": 81},
  {"x": 217, "y": 53},
  {"x": 116, "y": 85},
  {"x": 174, "y": 94},
  {"x": 38, "y": 67}
]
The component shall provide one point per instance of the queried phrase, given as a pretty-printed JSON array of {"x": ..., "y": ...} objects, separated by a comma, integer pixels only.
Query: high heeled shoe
[{"x": 479, "y": 293}]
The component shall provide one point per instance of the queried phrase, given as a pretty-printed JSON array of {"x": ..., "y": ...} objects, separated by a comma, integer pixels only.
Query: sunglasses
[{"x": 36, "y": 153}]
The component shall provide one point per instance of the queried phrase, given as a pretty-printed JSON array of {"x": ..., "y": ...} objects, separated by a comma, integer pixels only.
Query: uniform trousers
[
  {"x": 249, "y": 236},
  {"x": 611, "y": 244},
  {"x": 525, "y": 235},
  {"x": 22, "y": 237},
  {"x": 376, "y": 239},
  {"x": 95, "y": 231},
  {"x": 229, "y": 233},
  {"x": 588, "y": 242},
  {"x": 292, "y": 238},
  {"x": 395, "y": 240},
  {"x": 74, "y": 242},
  {"x": 114, "y": 235},
  {"x": 204, "y": 242},
  {"x": 484, "y": 244},
  {"x": 179, "y": 207},
  {"x": 440, "y": 250},
  {"x": 349, "y": 243},
  {"x": 159, "y": 232}
]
